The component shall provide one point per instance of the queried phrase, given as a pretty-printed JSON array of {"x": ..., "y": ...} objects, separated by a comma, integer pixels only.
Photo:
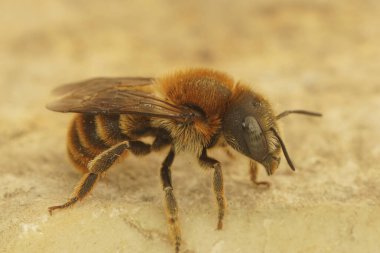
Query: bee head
[
  {"x": 250, "y": 127},
  {"x": 259, "y": 143}
]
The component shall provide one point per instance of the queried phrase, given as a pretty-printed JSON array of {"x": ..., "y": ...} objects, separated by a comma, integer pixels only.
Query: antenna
[
  {"x": 283, "y": 149},
  {"x": 308, "y": 113}
]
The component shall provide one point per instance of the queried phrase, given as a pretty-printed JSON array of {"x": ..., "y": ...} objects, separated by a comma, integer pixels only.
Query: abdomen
[{"x": 89, "y": 135}]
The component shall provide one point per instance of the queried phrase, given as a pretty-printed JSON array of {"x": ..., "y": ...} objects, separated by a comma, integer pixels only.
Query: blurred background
[{"x": 302, "y": 54}]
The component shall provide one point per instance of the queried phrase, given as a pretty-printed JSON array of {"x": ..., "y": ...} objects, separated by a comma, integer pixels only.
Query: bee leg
[
  {"x": 227, "y": 150},
  {"x": 162, "y": 140},
  {"x": 218, "y": 186},
  {"x": 97, "y": 166},
  {"x": 229, "y": 153},
  {"x": 139, "y": 148},
  {"x": 253, "y": 171},
  {"x": 170, "y": 202}
]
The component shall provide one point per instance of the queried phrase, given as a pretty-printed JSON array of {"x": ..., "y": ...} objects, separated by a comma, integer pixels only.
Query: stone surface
[{"x": 316, "y": 55}]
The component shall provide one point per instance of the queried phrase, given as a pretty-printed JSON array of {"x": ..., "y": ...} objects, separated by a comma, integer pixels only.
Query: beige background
[{"x": 316, "y": 55}]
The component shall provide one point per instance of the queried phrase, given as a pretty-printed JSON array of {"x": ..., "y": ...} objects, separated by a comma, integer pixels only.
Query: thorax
[{"x": 203, "y": 90}]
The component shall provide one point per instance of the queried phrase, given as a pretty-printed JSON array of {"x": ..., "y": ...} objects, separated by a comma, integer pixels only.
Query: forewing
[
  {"x": 101, "y": 83},
  {"x": 116, "y": 96}
]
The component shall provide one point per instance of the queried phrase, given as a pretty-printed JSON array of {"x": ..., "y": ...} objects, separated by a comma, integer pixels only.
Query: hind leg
[{"x": 98, "y": 166}]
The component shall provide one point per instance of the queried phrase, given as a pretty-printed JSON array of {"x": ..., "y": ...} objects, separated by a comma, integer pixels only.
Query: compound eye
[{"x": 251, "y": 126}]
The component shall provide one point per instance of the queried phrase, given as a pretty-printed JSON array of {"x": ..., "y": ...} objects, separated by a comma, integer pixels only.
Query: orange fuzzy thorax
[{"x": 207, "y": 89}]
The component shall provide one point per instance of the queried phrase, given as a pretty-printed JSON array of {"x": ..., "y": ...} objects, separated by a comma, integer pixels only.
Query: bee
[{"x": 188, "y": 111}]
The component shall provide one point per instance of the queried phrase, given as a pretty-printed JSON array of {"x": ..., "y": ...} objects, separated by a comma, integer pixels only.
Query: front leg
[
  {"x": 253, "y": 171},
  {"x": 170, "y": 202},
  {"x": 217, "y": 181}
]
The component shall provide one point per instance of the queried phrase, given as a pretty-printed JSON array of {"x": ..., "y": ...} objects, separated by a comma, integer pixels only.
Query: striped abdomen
[{"x": 90, "y": 134}]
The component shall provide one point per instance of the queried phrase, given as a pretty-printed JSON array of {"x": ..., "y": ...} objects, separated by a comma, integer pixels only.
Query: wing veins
[{"x": 117, "y": 96}]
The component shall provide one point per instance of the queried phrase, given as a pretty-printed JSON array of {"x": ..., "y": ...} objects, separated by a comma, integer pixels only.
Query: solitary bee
[{"x": 191, "y": 110}]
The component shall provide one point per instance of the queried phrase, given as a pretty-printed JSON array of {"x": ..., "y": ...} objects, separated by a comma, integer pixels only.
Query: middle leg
[{"x": 170, "y": 201}]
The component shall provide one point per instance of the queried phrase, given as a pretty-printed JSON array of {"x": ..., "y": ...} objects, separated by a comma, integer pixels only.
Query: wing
[
  {"x": 100, "y": 83},
  {"x": 117, "y": 96}
]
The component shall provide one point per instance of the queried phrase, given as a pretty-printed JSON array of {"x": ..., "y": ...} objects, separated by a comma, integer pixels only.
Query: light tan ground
[{"x": 317, "y": 55}]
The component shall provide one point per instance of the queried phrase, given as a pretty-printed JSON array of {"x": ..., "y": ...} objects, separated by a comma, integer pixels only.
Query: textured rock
[{"x": 316, "y": 55}]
